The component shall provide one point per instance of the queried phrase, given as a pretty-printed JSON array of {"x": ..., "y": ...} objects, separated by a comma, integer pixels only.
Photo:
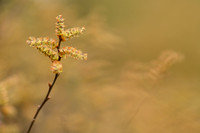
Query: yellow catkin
[
  {"x": 60, "y": 27},
  {"x": 45, "y": 45},
  {"x": 73, "y": 32},
  {"x": 72, "y": 52}
]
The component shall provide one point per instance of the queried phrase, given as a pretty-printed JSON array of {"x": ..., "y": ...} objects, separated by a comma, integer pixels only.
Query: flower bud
[{"x": 56, "y": 67}]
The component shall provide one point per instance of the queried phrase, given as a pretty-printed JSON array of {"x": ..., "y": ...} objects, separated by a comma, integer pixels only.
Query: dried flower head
[
  {"x": 163, "y": 63},
  {"x": 5, "y": 108},
  {"x": 3, "y": 96}
]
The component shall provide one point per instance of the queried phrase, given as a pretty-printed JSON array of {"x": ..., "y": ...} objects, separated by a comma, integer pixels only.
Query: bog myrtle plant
[{"x": 52, "y": 49}]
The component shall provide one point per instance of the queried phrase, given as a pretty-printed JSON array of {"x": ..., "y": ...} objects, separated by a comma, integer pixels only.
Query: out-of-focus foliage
[{"x": 141, "y": 76}]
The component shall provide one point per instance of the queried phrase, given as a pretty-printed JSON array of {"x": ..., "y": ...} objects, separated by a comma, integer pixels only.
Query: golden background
[{"x": 142, "y": 74}]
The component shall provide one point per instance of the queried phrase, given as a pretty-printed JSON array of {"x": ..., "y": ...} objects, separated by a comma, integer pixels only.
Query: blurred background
[{"x": 142, "y": 74}]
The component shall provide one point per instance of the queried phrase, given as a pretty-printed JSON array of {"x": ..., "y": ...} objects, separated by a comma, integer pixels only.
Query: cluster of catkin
[{"x": 51, "y": 48}]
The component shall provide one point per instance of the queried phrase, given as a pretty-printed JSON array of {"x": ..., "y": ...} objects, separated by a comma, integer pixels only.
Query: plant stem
[
  {"x": 59, "y": 47},
  {"x": 47, "y": 95},
  {"x": 43, "y": 103}
]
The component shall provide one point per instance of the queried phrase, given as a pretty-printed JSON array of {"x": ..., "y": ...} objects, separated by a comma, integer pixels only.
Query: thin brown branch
[
  {"x": 47, "y": 95},
  {"x": 59, "y": 47},
  {"x": 43, "y": 103}
]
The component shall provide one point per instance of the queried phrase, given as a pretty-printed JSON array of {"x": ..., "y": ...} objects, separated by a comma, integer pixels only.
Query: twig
[
  {"x": 43, "y": 103},
  {"x": 48, "y": 46},
  {"x": 47, "y": 95}
]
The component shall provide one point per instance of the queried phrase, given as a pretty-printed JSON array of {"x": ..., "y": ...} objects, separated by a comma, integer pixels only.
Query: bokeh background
[{"x": 142, "y": 74}]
